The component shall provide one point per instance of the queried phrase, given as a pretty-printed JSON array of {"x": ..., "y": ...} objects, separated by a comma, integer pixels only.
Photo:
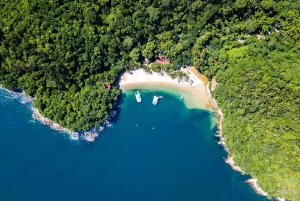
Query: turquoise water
[{"x": 163, "y": 152}]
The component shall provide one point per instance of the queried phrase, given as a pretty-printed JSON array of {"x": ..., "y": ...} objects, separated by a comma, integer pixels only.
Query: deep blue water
[{"x": 163, "y": 152}]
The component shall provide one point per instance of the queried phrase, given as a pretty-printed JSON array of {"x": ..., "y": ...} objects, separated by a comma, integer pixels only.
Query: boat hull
[
  {"x": 155, "y": 100},
  {"x": 138, "y": 97}
]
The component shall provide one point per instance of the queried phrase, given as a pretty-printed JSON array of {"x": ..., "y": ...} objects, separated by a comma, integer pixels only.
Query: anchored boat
[
  {"x": 155, "y": 100},
  {"x": 181, "y": 97},
  {"x": 138, "y": 97}
]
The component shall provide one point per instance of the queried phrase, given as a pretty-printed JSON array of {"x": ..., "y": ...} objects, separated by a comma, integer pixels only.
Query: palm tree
[{"x": 147, "y": 69}]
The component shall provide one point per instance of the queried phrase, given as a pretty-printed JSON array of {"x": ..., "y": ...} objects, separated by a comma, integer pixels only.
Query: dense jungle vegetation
[{"x": 63, "y": 52}]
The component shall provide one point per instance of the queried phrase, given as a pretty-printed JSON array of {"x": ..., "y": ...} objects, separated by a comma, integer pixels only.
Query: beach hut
[
  {"x": 162, "y": 60},
  {"x": 107, "y": 86}
]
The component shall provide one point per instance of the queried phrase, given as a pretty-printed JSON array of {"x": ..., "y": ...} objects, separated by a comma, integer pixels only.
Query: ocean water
[{"x": 163, "y": 152}]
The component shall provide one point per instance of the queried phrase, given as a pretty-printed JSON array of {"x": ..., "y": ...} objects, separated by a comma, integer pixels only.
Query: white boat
[
  {"x": 181, "y": 97},
  {"x": 155, "y": 100},
  {"x": 138, "y": 97}
]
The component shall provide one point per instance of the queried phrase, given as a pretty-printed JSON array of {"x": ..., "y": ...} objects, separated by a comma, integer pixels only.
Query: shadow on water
[{"x": 118, "y": 108}]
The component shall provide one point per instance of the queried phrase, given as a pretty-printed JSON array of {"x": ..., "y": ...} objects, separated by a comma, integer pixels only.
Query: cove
[{"x": 162, "y": 152}]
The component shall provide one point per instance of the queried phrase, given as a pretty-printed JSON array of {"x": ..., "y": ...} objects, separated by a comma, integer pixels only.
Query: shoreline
[
  {"x": 193, "y": 96},
  {"x": 88, "y": 135},
  {"x": 194, "y": 92},
  {"x": 229, "y": 160},
  {"x": 55, "y": 126}
]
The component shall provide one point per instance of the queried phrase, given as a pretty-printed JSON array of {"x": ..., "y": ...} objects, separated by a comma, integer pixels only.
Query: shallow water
[{"x": 163, "y": 152}]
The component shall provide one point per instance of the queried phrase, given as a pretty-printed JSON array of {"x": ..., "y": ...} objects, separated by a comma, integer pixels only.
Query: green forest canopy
[{"x": 63, "y": 52}]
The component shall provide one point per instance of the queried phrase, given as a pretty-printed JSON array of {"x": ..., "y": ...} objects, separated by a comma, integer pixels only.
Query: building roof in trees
[
  {"x": 107, "y": 86},
  {"x": 162, "y": 60}
]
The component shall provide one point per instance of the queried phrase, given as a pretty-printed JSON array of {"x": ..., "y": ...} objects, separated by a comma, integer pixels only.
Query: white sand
[
  {"x": 139, "y": 76},
  {"x": 195, "y": 94}
]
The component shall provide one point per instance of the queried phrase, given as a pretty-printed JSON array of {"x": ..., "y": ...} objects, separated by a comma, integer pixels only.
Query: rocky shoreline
[
  {"x": 229, "y": 160},
  {"x": 89, "y": 135},
  {"x": 55, "y": 126},
  {"x": 253, "y": 183}
]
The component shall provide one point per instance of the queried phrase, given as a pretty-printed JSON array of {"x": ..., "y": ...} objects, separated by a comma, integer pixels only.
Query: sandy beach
[
  {"x": 195, "y": 93},
  {"x": 140, "y": 76}
]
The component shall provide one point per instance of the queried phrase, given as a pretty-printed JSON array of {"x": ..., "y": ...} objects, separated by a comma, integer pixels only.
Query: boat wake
[{"x": 233, "y": 189}]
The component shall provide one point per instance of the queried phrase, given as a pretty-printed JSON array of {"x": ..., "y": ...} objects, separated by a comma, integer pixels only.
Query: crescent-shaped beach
[{"x": 195, "y": 93}]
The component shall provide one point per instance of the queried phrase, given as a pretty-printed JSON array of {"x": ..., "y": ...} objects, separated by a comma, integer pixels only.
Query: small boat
[
  {"x": 155, "y": 100},
  {"x": 181, "y": 97},
  {"x": 138, "y": 97}
]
